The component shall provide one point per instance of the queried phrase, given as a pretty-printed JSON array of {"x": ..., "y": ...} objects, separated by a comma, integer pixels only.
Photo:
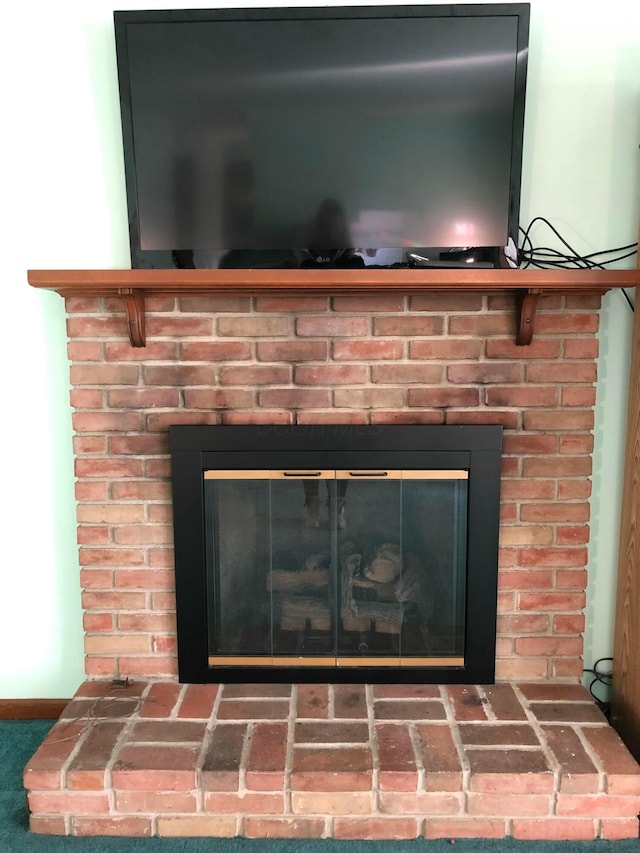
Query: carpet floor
[{"x": 19, "y": 739}]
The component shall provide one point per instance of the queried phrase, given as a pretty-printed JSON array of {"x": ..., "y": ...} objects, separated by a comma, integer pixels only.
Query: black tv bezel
[{"x": 170, "y": 258}]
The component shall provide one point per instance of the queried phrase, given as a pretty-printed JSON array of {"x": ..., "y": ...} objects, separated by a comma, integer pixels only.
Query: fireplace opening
[{"x": 336, "y": 553}]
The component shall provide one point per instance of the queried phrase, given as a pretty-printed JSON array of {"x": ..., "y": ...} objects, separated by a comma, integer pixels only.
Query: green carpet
[{"x": 19, "y": 739}]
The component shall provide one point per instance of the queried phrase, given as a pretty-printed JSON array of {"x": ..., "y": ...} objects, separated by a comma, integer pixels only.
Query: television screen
[{"x": 345, "y": 136}]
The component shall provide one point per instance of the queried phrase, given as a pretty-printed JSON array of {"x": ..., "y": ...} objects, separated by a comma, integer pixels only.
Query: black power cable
[
  {"x": 599, "y": 677},
  {"x": 544, "y": 257}
]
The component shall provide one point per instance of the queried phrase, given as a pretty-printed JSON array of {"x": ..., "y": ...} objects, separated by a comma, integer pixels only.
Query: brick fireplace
[{"x": 430, "y": 358}]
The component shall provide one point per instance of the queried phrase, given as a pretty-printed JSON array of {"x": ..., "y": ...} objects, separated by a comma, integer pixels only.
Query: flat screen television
[{"x": 333, "y": 136}]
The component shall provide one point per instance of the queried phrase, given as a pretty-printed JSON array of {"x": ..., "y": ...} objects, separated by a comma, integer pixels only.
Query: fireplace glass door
[{"x": 314, "y": 568}]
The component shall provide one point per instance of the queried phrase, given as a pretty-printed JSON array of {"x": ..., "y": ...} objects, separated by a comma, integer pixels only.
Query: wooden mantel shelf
[{"x": 135, "y": 285}]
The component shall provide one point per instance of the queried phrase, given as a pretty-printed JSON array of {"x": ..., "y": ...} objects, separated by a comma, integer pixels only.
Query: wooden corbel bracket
[
  {"x": 528, "y": 308},
  {"x": 134, "y": 307}
]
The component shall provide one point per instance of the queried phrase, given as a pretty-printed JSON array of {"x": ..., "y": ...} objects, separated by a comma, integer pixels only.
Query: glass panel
[
  {"x": 433, "y": 580},
  {"x": 301, "y": 577},
  {"x": 370, "y": 554},
  {"x": 238, "y": 542}
]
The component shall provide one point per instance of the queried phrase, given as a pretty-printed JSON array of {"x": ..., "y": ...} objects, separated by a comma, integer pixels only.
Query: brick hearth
[{"x": 535, "y": 761}]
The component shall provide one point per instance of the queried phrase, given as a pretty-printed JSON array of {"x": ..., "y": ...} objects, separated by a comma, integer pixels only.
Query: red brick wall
[{"x": 382, "y": 359}]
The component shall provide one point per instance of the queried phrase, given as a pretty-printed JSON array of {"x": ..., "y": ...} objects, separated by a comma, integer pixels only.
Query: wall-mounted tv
[{"x": 340, "y": 136}]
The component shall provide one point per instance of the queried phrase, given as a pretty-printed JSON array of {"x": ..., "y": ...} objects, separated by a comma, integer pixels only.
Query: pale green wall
[
  {"x": 610, "y": 428},
  {"x": 63, "y": 206}
]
